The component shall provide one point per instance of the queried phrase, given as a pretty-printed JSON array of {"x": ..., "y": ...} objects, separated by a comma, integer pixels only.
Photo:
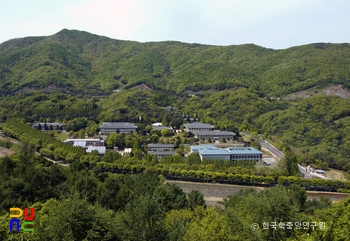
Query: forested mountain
[
  {"x": 76, "y": 62},
  {"x": 82, "y": 80},
  {"x": 70, "y": 77}
]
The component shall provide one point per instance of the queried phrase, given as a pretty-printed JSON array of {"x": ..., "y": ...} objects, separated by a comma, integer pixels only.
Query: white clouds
[{"x": 111, "y": 17}]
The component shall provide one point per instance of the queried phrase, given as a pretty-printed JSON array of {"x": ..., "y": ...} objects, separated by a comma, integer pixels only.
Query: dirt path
[
  {"x": 59, "y": 163},
  {"x": 214, "y": 192}
]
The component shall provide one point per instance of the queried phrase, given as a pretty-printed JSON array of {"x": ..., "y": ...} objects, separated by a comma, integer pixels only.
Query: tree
[
  {"x": 170, "y": 197},
  {"x": 166, "y": 132},
  {"x": 165, "y": 120},
  {"x": 75, "y": 219},
  {"x": 291, "y": 164},
  {"x": 195, "y": 198},
  {"x": 211, "y": 226},
  {"x": 298, "y": 195},
  {"x": 82, "y": 134},
  {"x": 143, "y": 219}
]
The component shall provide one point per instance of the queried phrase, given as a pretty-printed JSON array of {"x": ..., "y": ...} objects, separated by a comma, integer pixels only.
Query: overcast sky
[{"x": 274, "y": 24}]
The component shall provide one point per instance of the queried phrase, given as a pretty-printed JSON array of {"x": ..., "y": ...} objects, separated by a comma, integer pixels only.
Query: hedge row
[{"x": 208, "y": 176}]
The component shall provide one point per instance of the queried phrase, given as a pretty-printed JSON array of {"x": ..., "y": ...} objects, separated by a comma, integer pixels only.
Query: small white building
[
  {"x": 101, "y": 149},
  {"x": 85, "y": 142}
]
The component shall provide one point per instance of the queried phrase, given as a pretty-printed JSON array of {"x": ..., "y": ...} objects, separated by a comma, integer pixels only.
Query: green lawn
[{"x": 62, "y": 136}]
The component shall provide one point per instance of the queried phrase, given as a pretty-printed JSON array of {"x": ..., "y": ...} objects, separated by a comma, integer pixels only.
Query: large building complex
[
  {"x": 117, "y": 127},
  {"x": 230, "y": 153}
]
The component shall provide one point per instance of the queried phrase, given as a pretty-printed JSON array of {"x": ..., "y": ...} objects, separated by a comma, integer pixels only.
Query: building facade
[
  {"x": 117, "y": 127},
  {"x": 48, "y": 126},
  {"x": 160, "y": 154},
  {"x": 230, "y": 153},
  {"x": 215, "y": 135},
  {"x": 161, "y": 147},
  {"x": 85, "y": 142},
  {"x": 198, "y": 127}
]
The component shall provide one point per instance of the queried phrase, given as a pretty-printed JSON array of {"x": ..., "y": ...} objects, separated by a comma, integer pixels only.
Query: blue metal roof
[
  {"x": 213, "y": 150},
  {"x": 196, "y": 148}
]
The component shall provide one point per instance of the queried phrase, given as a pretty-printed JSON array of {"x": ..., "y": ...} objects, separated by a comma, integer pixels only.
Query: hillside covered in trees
[
  {"x": 82, "y": 80},
  {"x": 78, "y": 62},
  {"x": 70, "y": 77}
]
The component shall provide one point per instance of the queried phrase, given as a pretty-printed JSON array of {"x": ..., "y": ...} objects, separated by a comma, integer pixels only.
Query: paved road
[
  {"x": 274, "y": 151},
  {"x": 268, "y": 146}
]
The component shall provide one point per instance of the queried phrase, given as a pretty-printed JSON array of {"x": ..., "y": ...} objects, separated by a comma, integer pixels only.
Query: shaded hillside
[{"x": 80, "y": 62}]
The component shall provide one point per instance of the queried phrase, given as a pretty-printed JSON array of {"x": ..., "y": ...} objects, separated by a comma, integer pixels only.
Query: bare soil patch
[
  {"x": 335, "y": 175},
  {"x": 331, "y": 90},
  {"x": 5, "y": 152}
]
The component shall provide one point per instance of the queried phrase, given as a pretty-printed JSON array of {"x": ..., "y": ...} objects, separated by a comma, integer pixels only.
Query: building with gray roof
[
  {"x": 230, "y": 153},
  {"x": 117, "y": 127},
  {"x": 198, "y": 127}
]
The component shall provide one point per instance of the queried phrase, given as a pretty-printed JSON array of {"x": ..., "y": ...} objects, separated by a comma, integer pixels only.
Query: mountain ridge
[{"x": 77, "y": 60}]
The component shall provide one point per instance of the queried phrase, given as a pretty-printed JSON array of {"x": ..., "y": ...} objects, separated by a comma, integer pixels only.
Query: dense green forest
[
  {"x": 70, "y": 77},
  {"x": 79, "y": 62},
  {"x": 72, "y": 203},
  {"x": 83, "y": 80}
]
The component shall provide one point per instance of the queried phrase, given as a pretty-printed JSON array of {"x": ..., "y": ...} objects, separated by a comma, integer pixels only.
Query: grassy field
[
  {"x": 336, "y": 175},
  {"x": 62, "y": 136}
]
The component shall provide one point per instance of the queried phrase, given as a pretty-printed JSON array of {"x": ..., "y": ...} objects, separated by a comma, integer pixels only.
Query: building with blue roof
[{"x": 230, "y": 153}]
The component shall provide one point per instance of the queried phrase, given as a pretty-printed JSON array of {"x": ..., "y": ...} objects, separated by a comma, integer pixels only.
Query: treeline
[
  {"x": 41, "y": 141},
  {"x": 201, "y": 175},
  {"x": 5, "y": 143},
  {"x": 60, "y": 113}
]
